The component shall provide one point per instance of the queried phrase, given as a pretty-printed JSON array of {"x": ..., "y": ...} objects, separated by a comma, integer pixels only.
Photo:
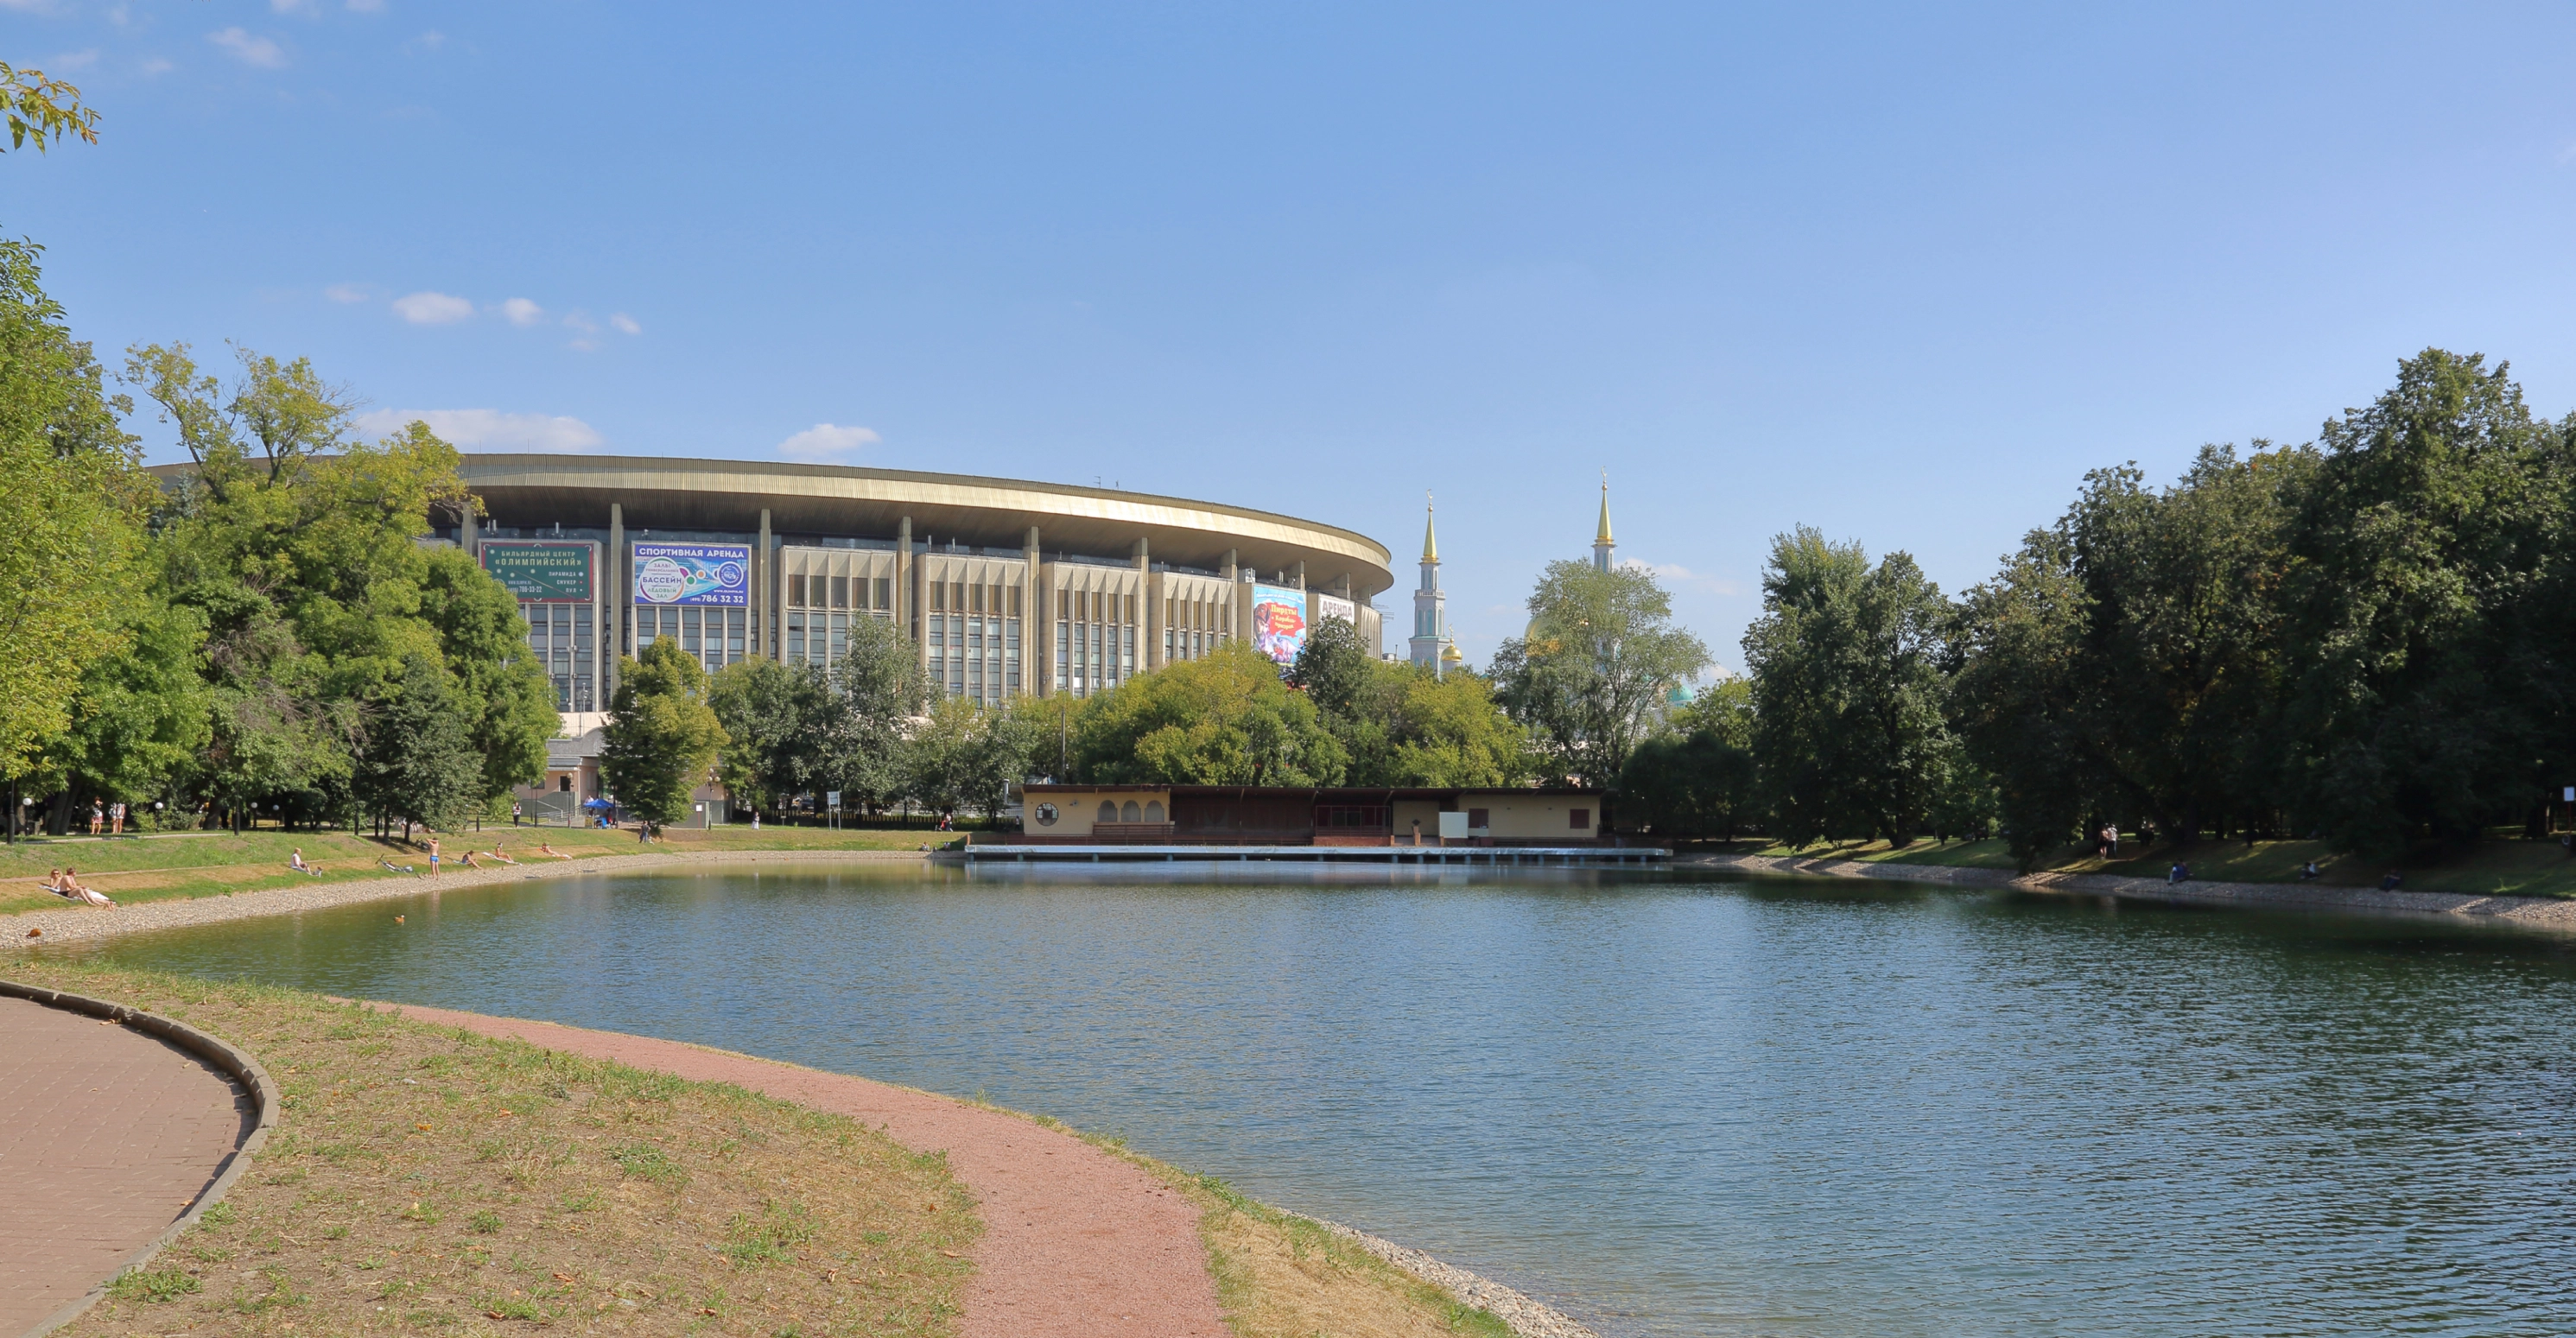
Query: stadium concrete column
[
  {"x": 469, "y": 532},
  {"x": 903, "y": 564},
  {"x": 1150, "y": 625},
  {"x": 1032, "y": 617},
  {"x": 613, "y": 585},
  {"x": 764, "y": 579}
]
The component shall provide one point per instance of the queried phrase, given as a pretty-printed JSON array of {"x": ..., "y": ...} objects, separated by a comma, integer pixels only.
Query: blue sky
[{"x": 1901, "y": 273}]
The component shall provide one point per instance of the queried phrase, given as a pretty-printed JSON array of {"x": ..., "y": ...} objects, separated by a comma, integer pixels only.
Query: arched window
[
  {"x": 1108, "y": 812},
  {"x": 1130, "y": 813},
  {"x": 1153, "y": 810}
]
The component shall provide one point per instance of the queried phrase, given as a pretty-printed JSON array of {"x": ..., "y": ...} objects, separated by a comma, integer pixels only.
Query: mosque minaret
[
  {"x": 1602, "y": 543},
  {"x": 1430, "y": 646}
]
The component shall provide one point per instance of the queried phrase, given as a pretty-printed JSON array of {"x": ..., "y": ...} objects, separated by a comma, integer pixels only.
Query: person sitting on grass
[
  {"x": 2389, "y": 880},
  {"x": 469, "y": 858},
  {"x": 54, "y": 883},
  {"x": 296, "y": 862},
  {"x": 496, "y": 853},
  {"x": 2308, "y": 872}
]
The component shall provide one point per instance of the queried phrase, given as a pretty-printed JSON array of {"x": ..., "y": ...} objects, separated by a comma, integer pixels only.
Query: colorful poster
[
  {"x": 1278, "y": 621},
  {"x": 1334, "y": 606},
  {"x": 540, "y": 573},
  {"x": 693, "y": 574}
]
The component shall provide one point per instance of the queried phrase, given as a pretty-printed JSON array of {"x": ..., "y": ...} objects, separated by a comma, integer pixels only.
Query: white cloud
[
  {"x": 368, "y": 6},
  {"x": 428, "y": 41},
  {"x": 293, "y": 7},
  {"x": 625, "y": 324},
  {"x": 346, "y": 292},
  {"x": 157, "y": 65},
  {"x": 432, "y": 308},
  {"x": 74, "y": 60},
  {"x": 491, "y": 429},
  {"x": 249, "y": 50},
  {"x": 29, "y": 6},
  {"x": 521, "y": 311},
  {"x": 580, "y": 320},
  {"x": 825, "y": 442}
]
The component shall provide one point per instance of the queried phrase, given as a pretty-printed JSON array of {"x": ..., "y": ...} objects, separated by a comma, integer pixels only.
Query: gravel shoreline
[
  {"x": 2531, "y": 912},
  {"x": 88, "y": 924},
  {"x": 1527, "y": 1318}
]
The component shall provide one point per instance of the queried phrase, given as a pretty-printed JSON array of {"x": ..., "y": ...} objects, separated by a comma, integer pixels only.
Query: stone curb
[
  {"x": 1527, "y": 1318},
  {"x": 220, "y": 1054},
  {"x": 2529, "y": 912},
  {"x": 81, "y": 924}
]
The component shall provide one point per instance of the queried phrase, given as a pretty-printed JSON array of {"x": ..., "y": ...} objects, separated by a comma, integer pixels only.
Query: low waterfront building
[{"x": 1306, "y": 815}]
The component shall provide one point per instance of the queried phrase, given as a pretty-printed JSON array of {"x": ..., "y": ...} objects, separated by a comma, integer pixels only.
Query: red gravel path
[{"x": 1077, "y": 1244}]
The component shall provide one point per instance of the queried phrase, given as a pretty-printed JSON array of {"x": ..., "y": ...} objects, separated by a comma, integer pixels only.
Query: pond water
[{"x": 1671, "y": 1104}]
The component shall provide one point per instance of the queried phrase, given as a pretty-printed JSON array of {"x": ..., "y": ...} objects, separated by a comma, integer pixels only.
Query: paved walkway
[
  {"x": 106, "y": 1135},
  {"x": 1077, "y": 1244}
]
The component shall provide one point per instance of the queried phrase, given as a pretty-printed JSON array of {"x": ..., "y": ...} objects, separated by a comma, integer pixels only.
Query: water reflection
[{"x": 1682, "y": 1106}]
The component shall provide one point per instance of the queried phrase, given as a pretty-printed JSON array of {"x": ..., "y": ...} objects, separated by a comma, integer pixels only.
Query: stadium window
[
  {"x": 1015, "y": 601},
  {"x": 840, "y": 592},
  {"x": 795, "y": 592},
  {"x": 976, "y": 600},
  {"x": 938, "y": 596}
]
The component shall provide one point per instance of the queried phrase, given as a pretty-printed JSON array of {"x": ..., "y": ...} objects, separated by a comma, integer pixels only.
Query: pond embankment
[
  {"x": 2528, "y": 912},
  {"x": 82, "y": 924}
]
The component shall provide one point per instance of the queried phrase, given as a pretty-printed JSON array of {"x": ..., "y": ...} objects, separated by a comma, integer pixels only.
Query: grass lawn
[
  {"x": 425, "y": 1180},
  {"x": 2489, "y": 868},
  {"x": 136, "y": 869}
]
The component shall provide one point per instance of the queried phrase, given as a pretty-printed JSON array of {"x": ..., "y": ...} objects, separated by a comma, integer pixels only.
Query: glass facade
[
  {"x": 561, "y": 638},
  {"x": 715, "y": 636}
]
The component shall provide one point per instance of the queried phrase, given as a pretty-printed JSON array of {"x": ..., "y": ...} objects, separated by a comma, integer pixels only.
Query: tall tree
[
  {"x": 71, "y": 515},
  {"x": 1590, "y": 677},
  {"x": 139, "y": 721},
  {"x": 879, "y": 694},
  {"x": 661, "y": 739},
  {"x": 778, "y": 721},
  {"x": 1848, "y": 690},
  {"x": 967, "y": 756},
  {"x": 420, "y": 765},
  {"x": 2420, "y": 701}
]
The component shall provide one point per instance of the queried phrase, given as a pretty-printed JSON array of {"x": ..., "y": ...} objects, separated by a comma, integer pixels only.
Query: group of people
[
  {"x": 106, "y": 819},
  {"x": 66, "y": 883},
  {"x": 438, "y": 857}
]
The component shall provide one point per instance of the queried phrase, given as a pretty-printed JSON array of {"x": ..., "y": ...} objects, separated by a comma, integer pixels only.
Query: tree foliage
[
  {"x": 661, "y": 739},
  {"x": 1226, "y": 719},
  {"x": 778, "y": 722},
  {"x": 1590, "y": 678},
  {"x": 43, "y": 109},
  {"x": 879, "y": 692}
]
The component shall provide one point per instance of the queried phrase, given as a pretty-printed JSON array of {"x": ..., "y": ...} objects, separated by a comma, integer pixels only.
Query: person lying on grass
[
  {"x": 547, "y": 849},
  {"x": 391, "y": 867},
  {"x": 496, "y": 853},
  {"x": 88, "y": 896}
]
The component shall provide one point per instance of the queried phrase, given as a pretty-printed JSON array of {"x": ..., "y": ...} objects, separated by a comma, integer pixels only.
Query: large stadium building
[{"x": 1005, "y": 588}]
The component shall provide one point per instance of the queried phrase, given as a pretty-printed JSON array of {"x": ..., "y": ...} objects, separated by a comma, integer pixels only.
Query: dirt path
[
  {"x": 1077, "y": 1243},
  {"x": 106, "y": 1136}
]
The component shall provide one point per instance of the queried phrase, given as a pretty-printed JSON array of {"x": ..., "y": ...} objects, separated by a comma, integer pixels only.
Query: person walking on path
[{"x": 514, "y": 812}]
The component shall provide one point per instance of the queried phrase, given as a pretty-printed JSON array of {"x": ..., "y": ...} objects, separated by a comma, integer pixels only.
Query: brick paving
[
  {"x": 106, "y": 1135},
  {"x": 1076, "y": 1244}
]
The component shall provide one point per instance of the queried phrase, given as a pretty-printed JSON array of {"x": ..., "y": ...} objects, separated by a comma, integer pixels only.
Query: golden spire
[
  {"x": 1430, "y": 542},
  {"x": 1603, "y": 536}
]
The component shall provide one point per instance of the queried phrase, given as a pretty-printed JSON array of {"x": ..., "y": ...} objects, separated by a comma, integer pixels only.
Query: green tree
[
  {"x": 419, "y": 764},
  {"x": 140, "y": 717},
  {"x": 1695, "y": 784},
  {"x": 778, "y": 721},
  {"x": 2422, "y": 693},
  {"x": 967, "y": 756},
  {"x": 1333, "y": 668},
  {"x": 1226, "y": 719},
  {"x": 1848, "y": 690},
  {"x": 71, "y": 516},
  {"x": 504, "y": 695},
  {"x": 662, "y": 739},
  {"x": 43, "y": 109},
  {"x": 879, "y": 693},
  {"x": 1590, "y": 677}
]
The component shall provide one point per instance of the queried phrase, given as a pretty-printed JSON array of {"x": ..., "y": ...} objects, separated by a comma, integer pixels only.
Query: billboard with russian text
[
  {"x": 540, "y": 573},
  {"x": 693, "y": 574}
]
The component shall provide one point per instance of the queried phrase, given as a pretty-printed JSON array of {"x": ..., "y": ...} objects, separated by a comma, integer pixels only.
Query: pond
[{"x": 1669, "y": 1102}]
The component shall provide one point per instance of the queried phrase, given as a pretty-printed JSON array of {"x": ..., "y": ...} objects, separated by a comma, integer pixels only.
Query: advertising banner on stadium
[
  {"x": 1334, "y": 606},
  {"x": 540, "y": 573},
  {"x": 693, "y": 574},
  {"x": 1278, "y": 621}
]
